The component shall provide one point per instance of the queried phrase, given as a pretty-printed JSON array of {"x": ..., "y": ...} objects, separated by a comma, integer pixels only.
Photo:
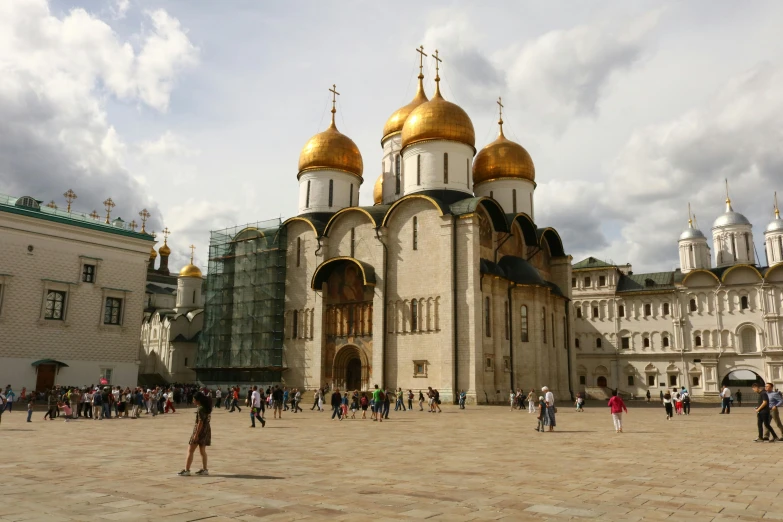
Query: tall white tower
[
  {"x": 330, "y": 170},
  {"x": 773, "y": 238},
  {"x": 694, "y": 250},
  {"x": 732, "y": 237}
]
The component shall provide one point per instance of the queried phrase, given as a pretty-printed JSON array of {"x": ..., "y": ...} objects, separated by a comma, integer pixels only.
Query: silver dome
[
  {"x": 692, "y": 233},
  {"x": 730, "y": 218},
  {"x": 775, "y": 226}
]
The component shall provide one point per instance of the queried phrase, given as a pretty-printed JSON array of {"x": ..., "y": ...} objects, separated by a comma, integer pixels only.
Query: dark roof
[
  {"x": 157, "y": 277},
  {"x": 653, "y": 281},
  {"x": 8, "y": 204},
  {"x": 317, "y": 219},
  {"x": 519, "y": 271},
  {"x": 155, "y": 289},
  {"x": 495, "y": 211},
  {"x": 182, "y": 339},
  {"x": 591, "y": 262}
]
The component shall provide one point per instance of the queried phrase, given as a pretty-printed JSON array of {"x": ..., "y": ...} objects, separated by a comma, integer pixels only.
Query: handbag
[{"x": 555, "y": 409}]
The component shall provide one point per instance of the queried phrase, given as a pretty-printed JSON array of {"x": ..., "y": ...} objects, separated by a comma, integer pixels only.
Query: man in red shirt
[{"x": 617, "y": 407}]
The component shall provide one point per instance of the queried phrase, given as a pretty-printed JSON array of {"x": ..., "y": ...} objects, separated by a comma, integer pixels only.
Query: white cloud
[
  {"x": 119, "y": 8},
  {"x": 168, "y": 145}
]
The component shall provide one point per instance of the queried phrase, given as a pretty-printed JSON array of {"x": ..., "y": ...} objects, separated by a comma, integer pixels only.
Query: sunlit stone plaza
[{"x": 482, "y": 463}]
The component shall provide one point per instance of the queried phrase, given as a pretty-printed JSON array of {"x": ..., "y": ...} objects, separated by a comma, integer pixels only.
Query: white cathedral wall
[
  {"x": 504, "y": 190},
  {"x": 431, "y": 175},
  {"x": 391, "y": 149},
  {"x": 345, "y": 191}
]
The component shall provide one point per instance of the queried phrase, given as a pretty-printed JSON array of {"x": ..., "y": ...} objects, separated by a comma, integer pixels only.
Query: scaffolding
[{"x": 242, "y": 339}]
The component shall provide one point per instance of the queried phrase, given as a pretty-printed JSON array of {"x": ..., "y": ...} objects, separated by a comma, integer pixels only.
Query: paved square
[{"x": 483, "y": 463}]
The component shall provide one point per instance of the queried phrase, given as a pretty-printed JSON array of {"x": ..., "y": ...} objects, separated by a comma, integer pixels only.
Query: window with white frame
[
  {"x": 112, "y": 311},
  {"x": 88, "y": 273},
  {"x": 420, "y": 368},
  {"x": 54, "y": 307}
]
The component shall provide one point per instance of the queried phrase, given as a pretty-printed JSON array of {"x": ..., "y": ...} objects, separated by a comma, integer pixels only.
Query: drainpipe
[
  {"x": 385, "y": 301},
  {"x": 511, "y": 335},
  {"x": 568, "y": 347},
  {"x": 455, "y": 345}
]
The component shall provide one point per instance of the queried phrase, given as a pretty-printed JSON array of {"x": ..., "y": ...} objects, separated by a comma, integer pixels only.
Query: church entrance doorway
[
  {"x": 741, "y": 379},
  {"x": 349, "y": 372},
  {"x": 601, "y": 381},
  {"x": 45, "y": 378},
  {"x": 353, "y": 374}
]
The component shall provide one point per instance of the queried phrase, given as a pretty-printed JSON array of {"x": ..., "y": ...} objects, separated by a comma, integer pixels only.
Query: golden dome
[
  {"x": 190, "y": 270},
  {"x": 503, "y": 159},
  {"x": 331, "y": 149},
  {"x": 438, "y": 119},
  {"x": 397, "y": 119},
  {"x": 153, "y": 254},
  {"x": 165, "y": 250},
  {"x": 377, "y": 191}
]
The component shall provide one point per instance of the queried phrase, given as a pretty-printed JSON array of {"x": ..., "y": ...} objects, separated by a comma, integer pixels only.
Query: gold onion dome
[
  {"x": 190, "y": 270},
  {"x": 377, "y": 191},
  {"x": 165, "y": 250},
  {"x": 153, "y": 254},
  {"x": 503, "y": 159},
  {"x": 438, "y": 119},
  {"x": 332, "y": 150},
  {"x": 396, "y": 121}
]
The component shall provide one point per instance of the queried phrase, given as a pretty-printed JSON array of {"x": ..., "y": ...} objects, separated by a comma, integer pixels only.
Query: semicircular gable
[
  {"x": 528, "y": 228},
  {"x": 700, "y": 277},
  {"x": 492, "y": 207},
  {"x": 553, "y": 240},
  {"x": 439, "y": 206},
  {"x": 371, "y": 216},
  {"x": 303, "y": 220},
  {"x": 324, "y": 270},
  {"x": 775, "y": 273},
  {"x": 742, "y": 274}
]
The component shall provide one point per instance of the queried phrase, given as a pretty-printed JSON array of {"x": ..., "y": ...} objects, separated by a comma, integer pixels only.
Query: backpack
[
  {"x": 382, "y": 396},
  {"x": 363, "y": 400}
]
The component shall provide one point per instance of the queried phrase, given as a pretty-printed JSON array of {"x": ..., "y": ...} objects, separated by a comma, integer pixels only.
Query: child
[
  {"x": 579, "y": 402},
  {"x": 541, "y": 413},
  {"x": 354, "y": 405},
  {"x": 29, "y": 411},
  {"x": 344, "y": 406}
]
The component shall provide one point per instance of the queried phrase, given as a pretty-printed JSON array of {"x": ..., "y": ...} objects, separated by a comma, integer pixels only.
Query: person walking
[
  {"x": 617, "y": 407},
  {"x": 541, "y": 415},
  {"x": 739, "y": 398},
  {"x": 686, "y": 403},
  {"x": 775, "y": 401},
  {"x": 255, "y": 408},
  {"x": 218, "y": 397},
  {"x": 580, "y": 401},
  {"x": 344, "y": 406},
  {"x": 531, "y": 401},
  {"x": 336, "y": 403},
  {"x": 364, "y": 402},
  {"x": 297, "y": 400},
  {"x": 551, "y": 410},
  {"x": 377, "y": 404},
  {"x": 762, "y": 414},
  {"x": 725, "y": 395},
  {"x": 512, "y": 399},
  {"x": 462, "y": 397},
  {"x": 648, "y": 395},
  {"x": 410, "y": 400},
  {"x": 51, "y": 403},
  {"x": 277, "y": 403},
  {"x": 235, "y": 400},
  {"x": 667, "y": 403},
  {"x": 202, "y": 435},
  {"x": 435, "y": 401},
  {"x": 421, "y": 400},
  {"x": 321, "y": 400},
  {"x": 9, "y": 399}
]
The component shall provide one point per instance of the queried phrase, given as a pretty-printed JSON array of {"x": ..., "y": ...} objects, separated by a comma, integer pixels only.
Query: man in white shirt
[
  {"x": 549, "y": 397},
  {"x": 725, "y": 400},
  {"x": 255, "y": 408}
]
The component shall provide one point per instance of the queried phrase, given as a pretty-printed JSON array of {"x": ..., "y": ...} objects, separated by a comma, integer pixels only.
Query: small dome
[
  {"x": 692, "y": 233},
  {"x": 333, "y": 150},
  {"x": 397, "y": 119},
  {"x": 190, "y": 270},
  {"x": 165, "y": 250},
  {"x": 730, "y": 218},
  {"x": 503, "y": 159},
  {"x": 776, "y": 225},
  {"x": 377, "y": 191},
  {"x": 153, "y": 254},
  {"x": 438, "y": 119}
]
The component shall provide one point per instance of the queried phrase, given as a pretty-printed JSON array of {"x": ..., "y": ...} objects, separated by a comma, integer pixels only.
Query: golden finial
[
  {"x": 95, "y": 214},
  {"x": 133, "y": 225},
  {"x": 690, "y": 218},
  {"x": 422, "y": 54},
  {"x": 500, "y": 117},
  {"x": 335, "y": 94},
  {"x": 192, "y": 249},
  {"x": 777, "y": 212},
  {"x": 728, "y": 199},
  {"x": 144, "y": 217},
  {"x": 166, "y": 233},
  {"x": 52, "y": 204},
  {"x": 109, "y": 204},
  {"x": 437, "y": 73},
  {"x": 70, "y": 195}
]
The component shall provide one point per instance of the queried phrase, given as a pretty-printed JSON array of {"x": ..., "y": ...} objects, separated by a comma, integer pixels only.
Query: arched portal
[
  {"x": 741, "y": 379},
  {"x": 601, "y": 382},
  {"x": 350, "y": 370}
]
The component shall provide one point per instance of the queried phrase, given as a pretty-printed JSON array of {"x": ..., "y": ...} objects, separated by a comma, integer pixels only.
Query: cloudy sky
[{"x": 197, "y": 110}]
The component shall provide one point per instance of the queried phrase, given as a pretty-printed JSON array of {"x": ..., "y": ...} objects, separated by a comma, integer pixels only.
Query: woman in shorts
[{"x": 202, "y": 434}]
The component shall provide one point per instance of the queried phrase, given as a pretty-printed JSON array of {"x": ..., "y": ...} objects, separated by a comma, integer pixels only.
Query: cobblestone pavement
[{"x": 483, "y": 463}]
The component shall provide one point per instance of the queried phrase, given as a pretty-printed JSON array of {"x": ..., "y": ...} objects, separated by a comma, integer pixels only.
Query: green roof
[
  {"x": 591, "y": 262},
  {"x": 651, "y": 282},
  {"x": 8, "y": 204}
]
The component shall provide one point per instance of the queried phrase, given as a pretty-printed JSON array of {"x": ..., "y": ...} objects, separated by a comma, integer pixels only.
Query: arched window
[
  {"x": 415, "y": 233},
  {"x": 697, "y": 341},
  {"x": 194, "y": 297},
  {"x": 543, "y": 324},
  {"x": 418, "y": 169},
  {"x": 748, "y": 337},
  {"x": 397, "y": 174},
  {"x": 445, "y": 167},
  {"x": 693, "y": 306},
  {"x": 295, "y": 325},
  {"x": 621, "y": 310},
  {"x": 514, "y": 202},
  {"x": 744, "y": 302},
  {"x": 646, "y": 342},
  {"x": 665, "y": 309},
  {"x": 414, "y": 315},
  {"x": 665, "y": 341},
  {"x": 467, "y": 171},
  {"x": 298, "y": 251},
  {"x": 523, "y": 328},
  {"x": 505, "y": 311},
  {"x": 579, "y": 312},
  {"x": 307, "y": 198},
  {"x": 576, "y": 343},
  {"x": 353, "y": 242},
  {"x": 331, "y": 192},
  {"x": 487, "y": 321},
  {"x": 598, "y": 343}
]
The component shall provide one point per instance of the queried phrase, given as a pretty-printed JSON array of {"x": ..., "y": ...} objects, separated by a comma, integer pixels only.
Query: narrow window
[
  {"x": 543, "y": 324},
  {"x": 414, "y": 315},
  {"x": 573, "y": 282},
  {"x": 353, "y": 242},
  {"x": 523, "y": 328},
  {"x": 88, "y": 273},
  {"x": 415, "y": 233},
  {"x": 625, "y": 343},
  {"x": 744, "y": 302},
  {"x": 665, "y": 309},
  {"x": 487, "y": 321},
  {"x": 55, "y": 305},
  {"x": 331, "y": 192},
  {"x": 298, "y": 251},
  {"x": 595, "y": 312},
  {"x": 576, "y": 343},
  {"x": 111, "y": 311},
  {"x": 647, "y": 310},
  {"x": 695, "y": 380},
  {"x": 630, "y": 380},
  {"x": 350, "y": 197},
  {"x": 651, "y": 380},
  {"x": 621, "y": 311},
  {"x": 467, "y": 171},
  {"x": 646, "y": 342},
  {"x": 491, "y": 194},
  {"x": 295, "y": 325},
  {"x": 579, "y": 313},
  {"x": 587, "y": 282},
  {"x": 514, "y": 202},
  {"x": 598, "y": 343},
  {"x": 583, "y": 380},
  {"x": 693, "y": 306},
  {"x": 697, "y": 341},
  {"x": 397, "y": 175},
  {"x": 307, "y": 199},
  {"x": 665, "y": 341},
  {"x": 505, "y": 310},
  {"x": 672, "y": 380},
  {"x": 531, "y": 204},
  {"x": 445, "y": 167},
  {"x": 601, "y": 280},
  {"x": 418, "y": 169}
]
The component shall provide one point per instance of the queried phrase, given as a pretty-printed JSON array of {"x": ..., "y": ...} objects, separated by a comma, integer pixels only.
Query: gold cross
[
  {"x": 70, "y": 195},
  {"x": 192, "y": 249},
  {"x": 166, "y": 233},
  {"x": 144, "y": 217},
  {"x": 437, "y": 66},
  {"x": 420, "y": 50},
  {"x": 133, "y": 225},
  {"x": 109, "y": 204},
  {"x": 500, "y": 110},
  {"x": 95, "y": 214},
  {"x": 52, "y": 204},
  {"x": 335, "y": 94}
]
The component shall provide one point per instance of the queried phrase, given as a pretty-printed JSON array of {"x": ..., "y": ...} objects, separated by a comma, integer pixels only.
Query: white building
[
  {"x": 691, "y": 327},
  {"x": 71, "y": 297},
  {"x": 446, "y": 281}
]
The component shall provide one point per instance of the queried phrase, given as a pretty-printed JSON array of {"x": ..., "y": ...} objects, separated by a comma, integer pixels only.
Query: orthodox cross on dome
[
  {"x": 52, "y": 205},
  {"x": 70, "y": 195},
  {"x": 437, "y": 65},
  {"x": 166, "y": 233},
  {"x": 133, "y": 225},
  {"x": 192, "y": 249},
  {"x": 95, "y": 214},
  {"x": 728, "y": 199},
  {"x": 500, "y": 114},
  {"x": 422, "y": 54},
  {"x": 690, "y": 216},
  {"x": 108, "y": 204},
  {"x": 144, "y": 217},
  {"x": 335, "y": 94}
]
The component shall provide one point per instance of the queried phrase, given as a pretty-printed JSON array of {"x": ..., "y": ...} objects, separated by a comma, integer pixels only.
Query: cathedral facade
[
  {"x": 700, "y": 326},
  {"x": 445, "y": 280}
]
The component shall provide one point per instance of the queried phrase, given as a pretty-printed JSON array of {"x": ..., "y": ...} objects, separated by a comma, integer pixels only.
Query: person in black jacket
[{"x": 336, "y": 402}]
